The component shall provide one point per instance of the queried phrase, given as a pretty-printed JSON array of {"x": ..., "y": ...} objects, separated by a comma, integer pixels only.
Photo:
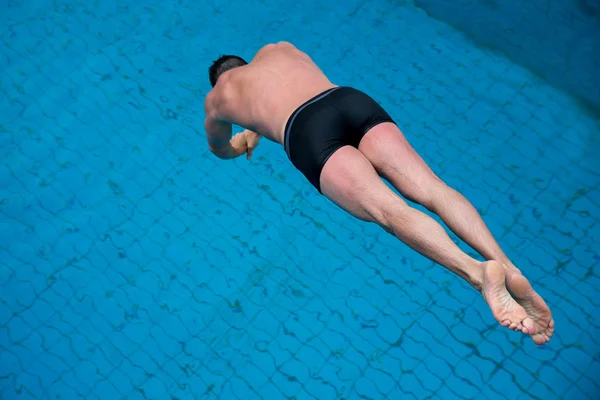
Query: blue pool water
[{"x": 134, "y": 264}]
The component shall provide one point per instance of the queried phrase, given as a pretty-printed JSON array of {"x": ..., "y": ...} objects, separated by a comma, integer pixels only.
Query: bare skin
[{"x": 262, "y": 95}]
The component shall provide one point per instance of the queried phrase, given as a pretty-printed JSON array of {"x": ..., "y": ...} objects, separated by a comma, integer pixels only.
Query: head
[{"x": 224, "y": 64}]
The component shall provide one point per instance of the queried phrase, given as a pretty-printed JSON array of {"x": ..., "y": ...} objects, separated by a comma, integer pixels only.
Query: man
[{"x": 343, "y": 141}]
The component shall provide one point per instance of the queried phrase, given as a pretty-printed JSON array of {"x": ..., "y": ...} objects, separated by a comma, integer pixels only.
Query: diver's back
[{"x": 279, "y": 79}]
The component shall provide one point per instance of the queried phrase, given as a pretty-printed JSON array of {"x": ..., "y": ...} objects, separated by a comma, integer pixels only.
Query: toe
[
  {"x": 519, "y": 326},
  {"x": 539, "y": 339},
  {"x": 529, "y": 325}
]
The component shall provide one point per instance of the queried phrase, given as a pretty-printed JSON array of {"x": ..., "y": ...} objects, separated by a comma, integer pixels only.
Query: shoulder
[
  {"x": 285, "y": 44},
  {"x": 278, "y": 45},
  {"x": 217, "y": 101},
  {"x": 215, "y": 106}
]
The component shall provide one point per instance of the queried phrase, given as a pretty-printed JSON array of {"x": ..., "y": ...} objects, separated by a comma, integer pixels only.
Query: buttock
[{"x": 338, "y": 117}]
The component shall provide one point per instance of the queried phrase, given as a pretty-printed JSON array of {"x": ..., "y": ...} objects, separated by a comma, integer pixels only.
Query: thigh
[
  {"x": 394, "y": 159},
  {"x": 350, "y": 181}
]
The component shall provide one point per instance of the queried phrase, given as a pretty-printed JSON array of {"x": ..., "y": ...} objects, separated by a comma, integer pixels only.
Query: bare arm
[
  {"x": 219, "y": 139},
  {"x": 218, "y": 133}
]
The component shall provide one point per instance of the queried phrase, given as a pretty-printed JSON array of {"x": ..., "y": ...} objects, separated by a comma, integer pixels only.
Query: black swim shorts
[{"x": 338, "y": 117}]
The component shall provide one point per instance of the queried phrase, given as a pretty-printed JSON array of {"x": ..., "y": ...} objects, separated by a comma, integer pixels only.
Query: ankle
[
  {"x": 476, "y": 282},
  {"x": 500, "y": 257},
  {"x": 474, "y": 275},
  {"x": 509, "y": 267}
]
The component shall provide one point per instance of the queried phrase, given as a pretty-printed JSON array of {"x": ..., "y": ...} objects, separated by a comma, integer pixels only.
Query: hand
[
  {"x": 239, "y": 142},
  {"x": 252, "y": 141},
  {"x": 244, "y": 142}
]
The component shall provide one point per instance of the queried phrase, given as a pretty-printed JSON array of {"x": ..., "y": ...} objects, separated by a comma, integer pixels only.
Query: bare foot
[
  {"x": 539, "y": 323},
  {"x": 505, "y": 309}
]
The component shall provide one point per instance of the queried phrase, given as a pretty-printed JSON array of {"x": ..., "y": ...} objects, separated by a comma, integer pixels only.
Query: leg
[
  {"x": 395, "y": 159},
  {"x": 350, "y": 181}
]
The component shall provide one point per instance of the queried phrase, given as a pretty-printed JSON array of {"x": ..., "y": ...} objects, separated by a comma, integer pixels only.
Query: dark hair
[{"x": 223, "y": 64}]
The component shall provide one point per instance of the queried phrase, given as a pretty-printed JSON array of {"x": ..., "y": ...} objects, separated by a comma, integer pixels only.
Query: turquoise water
[{"x": 134, "y": 264}]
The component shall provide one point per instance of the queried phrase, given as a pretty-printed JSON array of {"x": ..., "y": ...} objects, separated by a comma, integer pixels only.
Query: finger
[{"x": 249, "y": 155}]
